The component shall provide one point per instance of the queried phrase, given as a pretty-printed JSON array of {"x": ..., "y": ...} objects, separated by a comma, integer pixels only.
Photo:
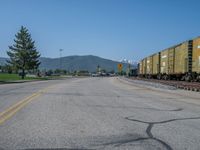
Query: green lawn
[
  {"x": 5, "y": 77},
  {"x": 14, "y": 77}
]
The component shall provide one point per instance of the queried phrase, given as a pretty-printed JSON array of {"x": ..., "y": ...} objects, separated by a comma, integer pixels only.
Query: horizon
[{"x": 108, "y": 29}]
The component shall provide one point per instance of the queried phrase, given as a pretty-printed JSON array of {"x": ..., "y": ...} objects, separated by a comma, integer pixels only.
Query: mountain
[
  {"x": 133, "y": 63},
  {"x": 72, "y": 63}
]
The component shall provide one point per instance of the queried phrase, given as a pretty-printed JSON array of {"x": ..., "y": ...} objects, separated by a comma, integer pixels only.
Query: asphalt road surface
[{"x": 97, "y": 113}]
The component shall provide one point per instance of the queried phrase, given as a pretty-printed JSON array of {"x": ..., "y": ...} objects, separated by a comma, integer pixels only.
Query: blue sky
[{"x": 113, "y": 29}]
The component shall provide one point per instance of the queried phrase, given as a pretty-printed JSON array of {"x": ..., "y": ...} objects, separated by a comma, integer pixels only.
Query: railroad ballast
[{"x": 181, "y": 62}]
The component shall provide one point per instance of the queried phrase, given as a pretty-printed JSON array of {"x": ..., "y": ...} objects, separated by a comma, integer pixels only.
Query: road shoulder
[{"x": 186, "y": 96}]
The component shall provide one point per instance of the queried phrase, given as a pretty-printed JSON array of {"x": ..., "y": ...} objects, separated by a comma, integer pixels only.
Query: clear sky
[{"x": 113, "y": 29}]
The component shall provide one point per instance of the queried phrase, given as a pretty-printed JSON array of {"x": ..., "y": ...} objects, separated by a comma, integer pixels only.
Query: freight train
[{"x": 180, "y": 62}]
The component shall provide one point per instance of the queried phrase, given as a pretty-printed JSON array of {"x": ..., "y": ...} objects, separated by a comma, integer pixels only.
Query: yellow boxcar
[
  {"x": 164, "y": 61},
  {"x": 156, "y": 63},
  {"x": 144, "y": 67},
  {"x": 196, "y": 55},
  {"x": 140, "y": 68},
  {"x": 181, "y": 58},
  {"x": 181, "y": 61},
  {"x": 171, "y": 60},
  {"x": 149, "y": 65}
]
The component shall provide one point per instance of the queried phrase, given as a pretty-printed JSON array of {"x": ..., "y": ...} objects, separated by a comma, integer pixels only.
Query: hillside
[{"x": 72, "y": 63}]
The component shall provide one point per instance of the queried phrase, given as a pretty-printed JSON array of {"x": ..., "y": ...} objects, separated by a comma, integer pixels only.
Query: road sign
[{"x": 119, "y": 66}]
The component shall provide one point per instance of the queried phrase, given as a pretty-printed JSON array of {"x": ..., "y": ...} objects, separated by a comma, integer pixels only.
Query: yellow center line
[{"x": 12, "y": 110}]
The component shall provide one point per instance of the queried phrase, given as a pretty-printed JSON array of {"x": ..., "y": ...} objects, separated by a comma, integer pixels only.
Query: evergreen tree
[{"x": 23, "y": 54}]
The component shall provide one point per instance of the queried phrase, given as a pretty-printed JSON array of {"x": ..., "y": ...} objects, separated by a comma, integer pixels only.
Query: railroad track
[{"x": 191, "y": 86}]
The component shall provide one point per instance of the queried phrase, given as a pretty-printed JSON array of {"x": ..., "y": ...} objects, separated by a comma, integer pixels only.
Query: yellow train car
[
  {"x": 171, "y": 60},
  {"x": 181, "y": 61},
  {"x": 149, "y": 65},
  {"x": 144, "y": 66},
  {"x": 196, "y": 55},
  {"x": 167, "y": 61},
  {"x": 164, "y": 62},
  {"x": 140, "y": 68},
  {"x": 156, "y": 64}
]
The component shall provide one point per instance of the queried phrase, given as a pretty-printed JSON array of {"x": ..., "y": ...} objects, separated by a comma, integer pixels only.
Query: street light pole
[{"x": 60, "y": 50}]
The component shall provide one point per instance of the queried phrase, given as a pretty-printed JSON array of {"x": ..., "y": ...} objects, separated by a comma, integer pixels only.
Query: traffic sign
[{"x": 119, "y": 66}]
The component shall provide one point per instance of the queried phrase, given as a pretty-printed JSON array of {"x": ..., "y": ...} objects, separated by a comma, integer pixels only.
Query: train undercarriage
[{"x": 190, "y": 77}]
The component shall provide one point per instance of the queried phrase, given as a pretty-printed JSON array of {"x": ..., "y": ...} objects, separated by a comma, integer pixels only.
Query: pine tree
[{"x": 23, "y": 54}]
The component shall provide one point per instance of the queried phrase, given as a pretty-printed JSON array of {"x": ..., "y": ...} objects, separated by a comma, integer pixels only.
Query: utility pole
[{"x": 60, "y": 50}]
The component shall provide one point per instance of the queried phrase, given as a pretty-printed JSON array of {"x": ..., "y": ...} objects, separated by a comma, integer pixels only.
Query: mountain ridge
[{"x": 76, "y": 62}]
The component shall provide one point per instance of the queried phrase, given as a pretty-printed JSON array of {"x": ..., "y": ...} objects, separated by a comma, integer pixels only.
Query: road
[{"x": 97, "y": 113}]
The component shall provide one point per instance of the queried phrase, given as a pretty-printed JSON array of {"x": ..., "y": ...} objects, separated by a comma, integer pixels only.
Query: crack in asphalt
[
  {"x": 149, "y": 128},
  {"x": 162, "y": 122},
  {"x": 150, "y": 136},
  {"x": 127, "y": 107}
]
